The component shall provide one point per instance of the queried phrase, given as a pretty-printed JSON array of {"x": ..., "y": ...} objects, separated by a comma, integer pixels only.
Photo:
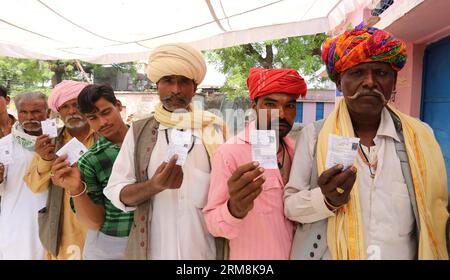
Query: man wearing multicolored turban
[
  {"x": 162, "y": 171},
  {"x": 392, "y": 202},
  {"x": 60, "y": 232},
  {"x": 245, "y": 202}
]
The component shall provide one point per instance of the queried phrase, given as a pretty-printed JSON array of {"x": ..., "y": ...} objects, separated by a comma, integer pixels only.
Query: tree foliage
[
  {"x": 301, "y": 53},
  {"x": 20, "y": 75}
]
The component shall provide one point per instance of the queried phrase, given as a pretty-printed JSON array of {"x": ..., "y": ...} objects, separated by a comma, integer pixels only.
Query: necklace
[{"x": 367, "y": 162}]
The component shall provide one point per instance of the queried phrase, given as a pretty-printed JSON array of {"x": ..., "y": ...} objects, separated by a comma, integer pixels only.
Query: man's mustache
[
  {"x": 35, "y": 125},
  {"x": 373, "y": 92},
  {"x": 73, "y": 117},
  {"x": 275, "y": 124},
  {"x": 175, "y": 97}
]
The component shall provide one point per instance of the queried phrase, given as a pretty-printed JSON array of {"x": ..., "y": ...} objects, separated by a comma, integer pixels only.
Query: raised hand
[
  {"x": 336, "y": 184},
  {"x": 244, "y": 185},
  {"x": 45, "y": 148},
  {"x": 66, "y": 176},
  {"x": 168, "y": 175}
]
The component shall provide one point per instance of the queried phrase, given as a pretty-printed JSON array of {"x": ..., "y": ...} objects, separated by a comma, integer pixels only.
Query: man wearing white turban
[
  {"x": 167, "y": 195},
  {"x": 59, "y": 230}
]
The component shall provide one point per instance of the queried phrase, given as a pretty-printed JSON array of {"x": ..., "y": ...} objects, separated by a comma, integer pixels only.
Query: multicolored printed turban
[
  {"x": 262, "y": 82},
  {"x": 362, "y": 44}
]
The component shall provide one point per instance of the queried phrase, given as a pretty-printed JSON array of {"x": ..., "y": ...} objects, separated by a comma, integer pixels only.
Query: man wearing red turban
[{"x": 245, "y": 202}]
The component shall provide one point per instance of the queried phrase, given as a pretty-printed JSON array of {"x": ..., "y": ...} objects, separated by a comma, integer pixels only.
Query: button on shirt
[
  {"x": 385, "y": 203},
  {"x": 178, "y": 230}
]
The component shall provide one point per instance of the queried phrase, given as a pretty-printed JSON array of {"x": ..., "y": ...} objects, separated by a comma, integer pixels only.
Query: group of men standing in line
[{"x": 126, "y": 199}]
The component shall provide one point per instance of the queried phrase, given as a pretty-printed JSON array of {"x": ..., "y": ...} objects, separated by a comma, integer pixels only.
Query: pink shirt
[{"x": 264, "y": 233}]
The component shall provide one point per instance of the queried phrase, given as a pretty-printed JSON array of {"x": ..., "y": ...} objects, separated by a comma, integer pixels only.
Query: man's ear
[
  {"x": 7, "y": 99},
  {"x": 254, "y": 104},
  {"x": 119, "y": 105},
  {"x": 338, "y": 82},
  {"x": 395, "y": 82},
  {"x": 49, "y": 111}
]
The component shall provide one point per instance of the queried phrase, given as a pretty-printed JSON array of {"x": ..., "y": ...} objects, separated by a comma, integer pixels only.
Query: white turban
[{"x": 176, "y": 59}]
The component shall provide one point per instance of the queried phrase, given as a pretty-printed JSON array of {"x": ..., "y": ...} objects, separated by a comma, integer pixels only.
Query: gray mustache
[
  {"x": 372, "y": 92},
  {"x": 74, "y": 117},
  {"x": 36, "y": 123},
  {"x": 174, "y": 96},
  {"x": 31, "y": 122}
]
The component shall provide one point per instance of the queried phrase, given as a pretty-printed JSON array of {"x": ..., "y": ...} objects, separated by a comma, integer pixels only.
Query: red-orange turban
[{"x": 262, "y": 82}]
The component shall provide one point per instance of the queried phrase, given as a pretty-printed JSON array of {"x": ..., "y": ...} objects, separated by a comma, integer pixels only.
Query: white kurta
[
  {"x": 178, "y": 228},
  {"x": 385, "y": 203},
  {"x": 19, "y": 229}
]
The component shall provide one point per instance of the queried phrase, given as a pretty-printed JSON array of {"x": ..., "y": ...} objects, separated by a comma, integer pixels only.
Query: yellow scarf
[
  {"x": 205, "y": 121},
  {"x": 345, "y": 231}
]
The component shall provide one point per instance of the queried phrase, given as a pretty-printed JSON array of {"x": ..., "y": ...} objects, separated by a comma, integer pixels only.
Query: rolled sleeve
[
  {"x": 227, "y": 217},
  {"x": 113, "y": 194},
  {"x": 43, "y": 166},
  {"x": 37, "y": 177}
]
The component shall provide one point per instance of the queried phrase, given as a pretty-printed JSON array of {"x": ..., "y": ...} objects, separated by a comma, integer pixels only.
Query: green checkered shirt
[{"x": 95, "y": 168}]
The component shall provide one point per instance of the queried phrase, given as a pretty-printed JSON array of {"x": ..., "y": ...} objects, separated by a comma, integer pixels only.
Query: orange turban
[{"x": 262, "y": 82}]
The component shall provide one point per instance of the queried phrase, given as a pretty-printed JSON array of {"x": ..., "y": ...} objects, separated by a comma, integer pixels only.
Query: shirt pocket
[
  {"x": 270, "y": 200},
  {"x": 403, "y": 209},
  {"x": 198, "y": 188}
]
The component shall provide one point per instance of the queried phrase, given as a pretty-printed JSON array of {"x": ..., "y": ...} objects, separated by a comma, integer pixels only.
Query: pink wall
[
  {"x": 309, "y": 112},
  {"x": 409, "y": 81},
  {"x": 327, "y": 108},
  {"x": 426, "y": 23}
]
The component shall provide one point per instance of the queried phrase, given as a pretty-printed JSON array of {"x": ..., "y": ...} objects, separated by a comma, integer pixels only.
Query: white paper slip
[
  {"x": 74, "y": 150},
  {"x": 181, "y": 151},
  {"x": 180, "y": 142},
  {"x": 264, "y": 148},
  {"x": 341, "y": 150},
  {"x": 49, "y": 128},
  {"x": 6, "y": 153},
  {"x": 180, "y": 138}
]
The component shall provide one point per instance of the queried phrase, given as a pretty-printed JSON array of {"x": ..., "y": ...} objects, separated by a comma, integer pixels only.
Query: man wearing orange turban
[
  {"x": 392, "y": 203},
  {"x": 245, "y": 202},
  {"x": 60, "y": 232}
]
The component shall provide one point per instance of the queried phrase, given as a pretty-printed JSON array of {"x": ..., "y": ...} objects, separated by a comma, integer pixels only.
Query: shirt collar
[
  {"x": 195, "y": 132},
  {"x": 67, "y": 136},
  {"x": 244, "y": 135},
  {"x": 387, "y": 127}
]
